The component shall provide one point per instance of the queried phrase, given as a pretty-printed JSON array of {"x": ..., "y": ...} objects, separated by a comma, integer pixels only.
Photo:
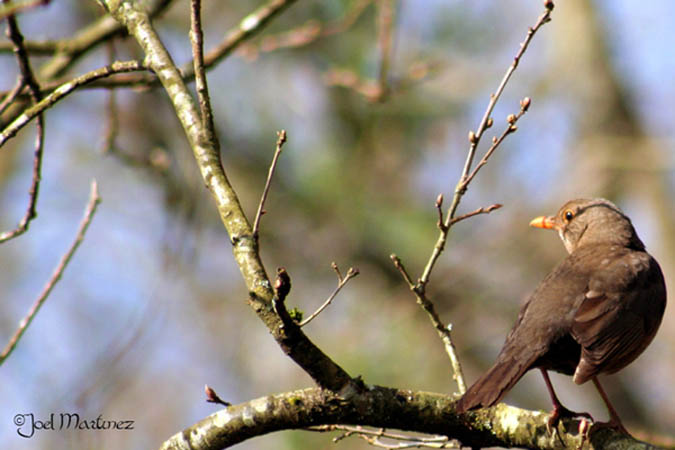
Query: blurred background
[{"x": 152, "y": 306}]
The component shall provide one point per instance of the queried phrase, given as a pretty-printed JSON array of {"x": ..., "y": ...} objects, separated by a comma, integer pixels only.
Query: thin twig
[
  {"x": 308, "y": 32},
  {"x": 281, "y": 140},
  {"x": 485, "y": 121},
  {"x": 201, "y": 85},
  {"x": 112, "y": 121},
  {"x": 93, "y": 202},
  {"x": 62, "y": 91},
  {"x": 404, "y": 273},
  {"x": 442, "y": 330},
  {"x": 351, "y": 273},
  {"x": 496, "y": 142},
  {"x": 28, "y": 79},
  {"x": 439, "y": 209},
  {"x": 247, "y": 28},
  {"x": 419, "y": 288},
  {"x": 12, "y": 95},
  {"x": 474, "y": 140},
  {"x": 335, "y": 268},
  {"x": 11, "y": 8},
  {"x": 69, "y": 51},
  {"x": 375, "y": 435},
  {"x": 483, "y": 210}
]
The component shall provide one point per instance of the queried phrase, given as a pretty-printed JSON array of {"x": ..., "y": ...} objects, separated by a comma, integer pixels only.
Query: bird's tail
[{"x": 493, "y": 385}]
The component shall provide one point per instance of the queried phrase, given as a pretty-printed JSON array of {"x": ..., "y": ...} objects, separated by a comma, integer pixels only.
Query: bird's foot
[
  {"x": 584, "y": 430},
  {"x": 559, "y": 412}
]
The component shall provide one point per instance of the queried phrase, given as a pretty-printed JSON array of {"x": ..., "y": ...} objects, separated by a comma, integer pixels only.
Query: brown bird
[{"x": 594, "y": 313}]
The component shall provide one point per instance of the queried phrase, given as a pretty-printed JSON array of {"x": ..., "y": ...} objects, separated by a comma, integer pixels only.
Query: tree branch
[
  {"x": 62, "y": 91},
  {"x": 424, "y": 412},
  {"x": 9, "y": 9},
  {"x": 419, "y": 288},
  {"x": 248, "y": 27},
  {"x": 325, "y": 372},
  {"x": 94, "y": 200}
]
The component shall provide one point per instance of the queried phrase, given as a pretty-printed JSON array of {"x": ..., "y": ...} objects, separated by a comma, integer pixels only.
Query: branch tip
[
  {"x": 439, "y": 201},
  {"x": 281, "y": 140},
  {"x": 525, "y": 103},
  {"x": 336, "y": 269},
  {"x": 212, "y": 397},
  {"x": 351, "y": 273}
]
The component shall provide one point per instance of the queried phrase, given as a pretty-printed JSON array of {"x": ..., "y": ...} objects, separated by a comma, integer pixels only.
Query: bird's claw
[{"x": 560, "y": 412}]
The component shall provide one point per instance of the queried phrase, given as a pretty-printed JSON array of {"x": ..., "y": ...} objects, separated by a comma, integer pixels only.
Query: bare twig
[
  {"x": 496, "y": 142},
  {"x": 93, "y": 202},
  {"x": 371, "y": 89},
  {"x": 348, "y": 78},
  {"x": 248, "y": 27},
  {"x": 442, "y": 330},
  {"x": 439, "y": 209},
  {"x": 11, "y": 8},
  {"x": 68, "y": 51},
  {"x": 112, "y": 121},
  {"x": 12, "y": 95},
  {"x": 351, "y": 273},
  {"x": 309, "y": 31},
  {"x": 261, "y": 296},
  {"x": 485, "y": 121},
  {"x": 467, "y": 176},
  {"x": 62, "y": 91},
  {"x": 197, "y": 40},
  {"x": 484, "y": 210},
  {"x": 375, "y": 436},
  {"x": 281, "y": 140},
  {"x": 26, "y": 78},
  {"x": 335, "y": 268},
  {"x": 251, "y": 25},
  {"x": 474, "y": 140}
]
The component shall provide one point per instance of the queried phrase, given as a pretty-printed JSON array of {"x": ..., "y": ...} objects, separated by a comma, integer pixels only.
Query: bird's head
[{"x": 591, "y": 221}]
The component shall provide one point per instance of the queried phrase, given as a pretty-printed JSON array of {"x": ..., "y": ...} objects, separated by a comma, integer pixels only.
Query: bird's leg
[
  {"x": 614, "y": 421},
  {"x": 559, "y": 411}
]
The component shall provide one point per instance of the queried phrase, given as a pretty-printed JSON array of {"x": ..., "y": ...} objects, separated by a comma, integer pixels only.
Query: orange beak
[{"x": 542, "y": 222}]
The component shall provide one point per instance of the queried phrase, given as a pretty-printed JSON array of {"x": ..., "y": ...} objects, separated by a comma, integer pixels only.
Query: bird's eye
[{"x": 568, "y": 215}]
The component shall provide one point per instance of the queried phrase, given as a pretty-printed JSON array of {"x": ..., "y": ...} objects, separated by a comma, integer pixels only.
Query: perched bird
[{"x": 594, "y": 313}]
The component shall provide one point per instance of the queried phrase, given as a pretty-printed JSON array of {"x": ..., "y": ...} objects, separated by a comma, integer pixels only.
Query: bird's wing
[{"x": 619, "y": 314}]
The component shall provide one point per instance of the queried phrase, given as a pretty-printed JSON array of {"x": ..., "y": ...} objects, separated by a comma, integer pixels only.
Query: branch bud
[
  {"x": 282, "y": 285},
  {"x": 472, "y": 137},
  {"x": 525, "y": 103}
]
